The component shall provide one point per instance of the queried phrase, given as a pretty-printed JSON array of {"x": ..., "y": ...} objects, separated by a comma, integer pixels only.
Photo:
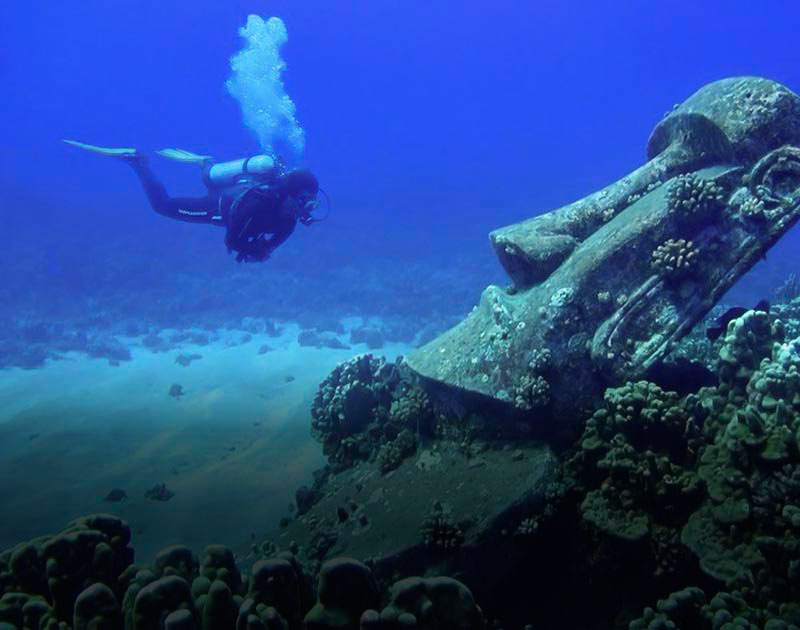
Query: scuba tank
[{"x": 227, "y": 173}]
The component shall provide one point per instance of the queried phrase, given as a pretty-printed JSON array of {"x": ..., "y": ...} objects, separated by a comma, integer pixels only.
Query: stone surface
[{"x": 484, "y": 495}]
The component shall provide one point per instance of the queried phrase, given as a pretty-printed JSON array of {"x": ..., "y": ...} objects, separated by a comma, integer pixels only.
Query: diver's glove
[{"x": 257, "y": 250}]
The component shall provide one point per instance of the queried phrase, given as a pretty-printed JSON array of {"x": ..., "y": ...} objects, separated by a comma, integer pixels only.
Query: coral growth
[
  {"x": 722, "y": 467},
  {"x": 363, "y": 407},
  {"x": 695, "y": 199},
  {"x": 675, "y": 259},
  {"x": 439, "y": 531},
  {"x": 84, "y": 578}
]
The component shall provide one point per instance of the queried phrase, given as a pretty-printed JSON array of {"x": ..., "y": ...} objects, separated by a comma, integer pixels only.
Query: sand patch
[{"x": 233, "y": 448}]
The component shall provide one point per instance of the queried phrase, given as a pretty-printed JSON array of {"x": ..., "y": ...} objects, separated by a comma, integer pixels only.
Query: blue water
[{"x": 427, "y": 123}]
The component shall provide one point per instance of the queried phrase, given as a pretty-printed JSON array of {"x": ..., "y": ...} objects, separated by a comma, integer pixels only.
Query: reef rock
[{"x": 607, "y": 285}]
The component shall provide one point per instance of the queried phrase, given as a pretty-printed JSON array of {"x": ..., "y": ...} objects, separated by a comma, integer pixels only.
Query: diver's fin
[
  {"x": 124, "y": 153},
  {"x": 187, "y": 157}
]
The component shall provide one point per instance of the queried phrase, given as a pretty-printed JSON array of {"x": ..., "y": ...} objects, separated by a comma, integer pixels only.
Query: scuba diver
[{"x": 255, "y": 199}]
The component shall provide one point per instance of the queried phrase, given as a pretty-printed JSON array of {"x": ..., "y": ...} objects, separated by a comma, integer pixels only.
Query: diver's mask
[{"x": 309, "y": 204}]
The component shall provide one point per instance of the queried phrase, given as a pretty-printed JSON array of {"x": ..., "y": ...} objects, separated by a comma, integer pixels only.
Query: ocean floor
[{"x": 233, "y": 446}]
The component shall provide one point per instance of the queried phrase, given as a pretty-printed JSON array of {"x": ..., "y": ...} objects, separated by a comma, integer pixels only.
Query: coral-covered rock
[
  {"x": 180, "y": 620},
  {"x": 439, "y": 603},
  {"x": 748, "y": 340},
  {"x": 346, "y": 589},
  {"x": 96, "y": 608},
  {"x": 219, "y": 563},
  {"x": 361, "y": 405},
  {"x": 176, "y": 560},
  {"x": 695, "y": 199},
  {"x": 93, "y": 548},
  {"x": 158, "y": 599},
  {"x": 218, "y": 609},
  {"x": 675, "y": 259},
  {"x": 276, "y": 583},
  {"x": 253, "y": 616},
  {"x": 636, "y": 456},
  {"x": 411, "y": 409}
]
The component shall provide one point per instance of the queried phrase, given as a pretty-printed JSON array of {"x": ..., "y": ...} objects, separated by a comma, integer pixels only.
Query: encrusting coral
[
  {"x": 721, "y": 467},
  {"x": 641, "y": 445},
  {"x": 695, "y": 198},
  {"x": 363, "y": 407},
  {"x": 675, "y": 259}
]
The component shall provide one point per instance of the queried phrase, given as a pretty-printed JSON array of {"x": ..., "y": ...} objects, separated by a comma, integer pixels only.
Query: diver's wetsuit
[{"x": 248, "y": 210}]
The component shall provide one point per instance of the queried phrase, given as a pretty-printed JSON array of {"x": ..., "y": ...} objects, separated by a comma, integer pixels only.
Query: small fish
[
  {"x": 115, "y": 496},
  {"x": 716, "y": 329},
  {"x": 176, "y": 391},
  {"x": 159, "y": 492},
  {"x": 186, "y": 359}
]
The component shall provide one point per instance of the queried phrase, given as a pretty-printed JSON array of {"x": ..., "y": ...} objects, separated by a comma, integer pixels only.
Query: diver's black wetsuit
[{"x": 248, "y": 209}]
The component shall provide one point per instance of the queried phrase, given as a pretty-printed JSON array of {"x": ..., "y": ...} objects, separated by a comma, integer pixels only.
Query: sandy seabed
[{"x": 233, "y": 448}]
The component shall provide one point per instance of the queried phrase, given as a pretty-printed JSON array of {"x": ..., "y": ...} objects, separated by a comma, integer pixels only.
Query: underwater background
[{"x": 428, "y": 124}]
